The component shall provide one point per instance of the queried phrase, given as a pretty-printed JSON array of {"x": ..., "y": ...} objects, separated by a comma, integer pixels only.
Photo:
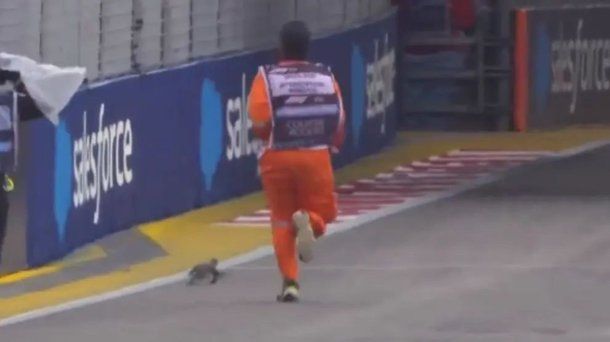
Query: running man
[{"x": 297, "y": 109}]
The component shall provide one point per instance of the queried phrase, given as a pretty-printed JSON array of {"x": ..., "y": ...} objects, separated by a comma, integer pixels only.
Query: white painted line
[
  {"x": 357, "y": 212},
  {"x": 403, "y": 169},
  {"x": 363, "y": 198},
  {"x": 346, "y": 217},
  {"x": 421, "y": 163},
  {"x": 465, "y": 159},
  {"x": 344, "y": 207},
  {"x": 346, "y": 187},
  {"x": 384, "y": 175},
  {"x": 396, "y": 187},
  {"x": 126, "y": 291},
  {"x": 451, "y": 163},
  {"x": 382, "y": 194},
  {"x": 419, "y": 181},
  {"x": 268, "y": 250},
  {"x": 367, "y": 181},
  {"x": 454, "y": 171},
  {"x": 420, "y": 267},
  {"x": 439, "y": 167},
  {"x": 448, "y": 173},
  {"x": 441, "y": 163},
  {"x": 431, "y": 169},
  {"x": 366, "y": 202},
  {"x": 497, "y": 153},
  {"x": 438, "y": 175},
  {"x": 396, "y": 180},
  {"x": 428, "y": 187},
  {"x": 580, "y": 149},
  {"x": 350, "y": 213}
]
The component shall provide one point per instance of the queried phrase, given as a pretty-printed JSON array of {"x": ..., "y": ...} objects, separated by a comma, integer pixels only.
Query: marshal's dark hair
[{"x": 294, "y": 40}]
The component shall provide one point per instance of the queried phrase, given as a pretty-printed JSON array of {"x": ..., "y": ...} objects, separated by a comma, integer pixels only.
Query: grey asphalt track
[{"x": 524, "y": 259}]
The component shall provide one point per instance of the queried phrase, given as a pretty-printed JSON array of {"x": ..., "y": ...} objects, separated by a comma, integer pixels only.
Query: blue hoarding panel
[
  {"x": 568, "y": 62},
  {"x": 152, "y": 146}
]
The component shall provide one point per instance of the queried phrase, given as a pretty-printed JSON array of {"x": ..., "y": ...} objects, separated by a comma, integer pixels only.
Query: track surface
[{"x": 524, "y": 259}]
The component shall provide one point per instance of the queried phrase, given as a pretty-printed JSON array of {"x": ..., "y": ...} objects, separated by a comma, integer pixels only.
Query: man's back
[{"x": 261, "y": 113}]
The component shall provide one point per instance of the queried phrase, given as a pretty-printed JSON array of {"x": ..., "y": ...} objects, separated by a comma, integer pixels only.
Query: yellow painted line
[
  {"x": 205, "y": 242},
  {"x": 193, "y": 237},
  {"x": 88, "y": 254},
  {"x": 28, "y": 274}
]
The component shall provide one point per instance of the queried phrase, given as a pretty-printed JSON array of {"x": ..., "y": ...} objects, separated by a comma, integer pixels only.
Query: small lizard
[{"x": 200, "y": 271}]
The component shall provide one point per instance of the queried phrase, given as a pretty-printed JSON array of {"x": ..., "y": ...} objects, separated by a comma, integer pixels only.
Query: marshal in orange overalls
[{"x": 299, "y": 175}]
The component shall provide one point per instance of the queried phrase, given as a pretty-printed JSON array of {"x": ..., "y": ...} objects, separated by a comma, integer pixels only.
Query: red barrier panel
[{"x": 521, "y": 84}]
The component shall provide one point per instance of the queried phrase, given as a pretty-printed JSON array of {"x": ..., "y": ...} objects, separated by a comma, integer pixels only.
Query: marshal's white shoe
[
  {"x": 305, "y": 236},
  {"x": 290, "y": 292}
]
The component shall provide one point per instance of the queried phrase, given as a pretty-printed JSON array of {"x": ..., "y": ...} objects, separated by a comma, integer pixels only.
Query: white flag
[{"x": 50, "y": 86}]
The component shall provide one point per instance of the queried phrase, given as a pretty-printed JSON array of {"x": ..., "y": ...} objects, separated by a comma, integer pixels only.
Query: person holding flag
[{"x": 28, "y": 90}]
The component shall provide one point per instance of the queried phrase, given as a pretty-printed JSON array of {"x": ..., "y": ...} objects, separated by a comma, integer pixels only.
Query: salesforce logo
[
  {"x": 578, "y": 64},
  {"x": 210, "y": 137},
  {"x": 358, "y": 86},
  {"x": 99, "y": 161},
  {"x": 376, "y": 81},
  {"x": 63, "y": 178},
  {"x": 241, "y": 142},
  {"x": 237, "y": 125},
  {"x": 542, "y": 68}
]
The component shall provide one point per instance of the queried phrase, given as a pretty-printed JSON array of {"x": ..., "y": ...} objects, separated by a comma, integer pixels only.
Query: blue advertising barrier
[
  {"x": 565, "y": 60},
  {"x": 151, "y": 146}
]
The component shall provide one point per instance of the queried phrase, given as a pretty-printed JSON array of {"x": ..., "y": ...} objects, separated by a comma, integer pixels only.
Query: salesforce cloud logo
[
  {"x": 63, "y": 178},
  {"x": 210, "y": 136},
  {"x": 542, "y": 67},
  {"x": 90, "y": 166},
  {"x": 358, "y": 87}
]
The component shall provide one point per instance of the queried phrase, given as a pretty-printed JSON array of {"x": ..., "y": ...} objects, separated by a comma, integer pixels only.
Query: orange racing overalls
[{"x": 296, "y": 107}]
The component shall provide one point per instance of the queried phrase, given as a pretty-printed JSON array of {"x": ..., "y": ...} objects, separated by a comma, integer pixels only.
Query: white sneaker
[
  {"x": 290, "y": 292},
  {"x": 305, "y": 236}
]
